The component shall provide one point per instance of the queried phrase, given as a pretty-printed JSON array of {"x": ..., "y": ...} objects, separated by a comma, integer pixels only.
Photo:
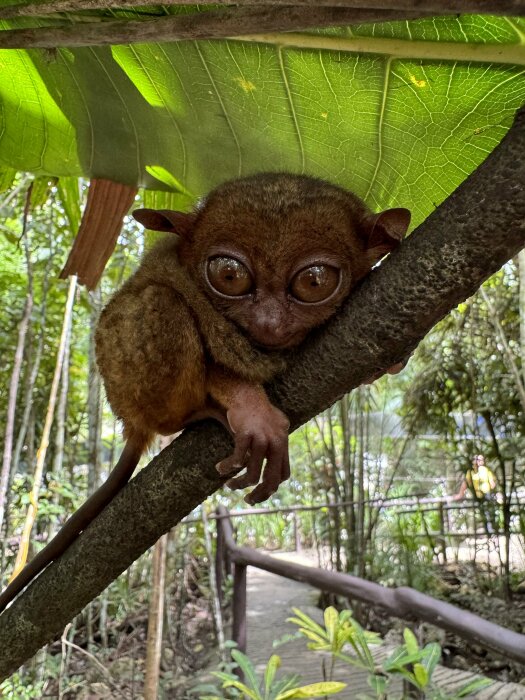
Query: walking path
[{"x": 270, "y": 601}]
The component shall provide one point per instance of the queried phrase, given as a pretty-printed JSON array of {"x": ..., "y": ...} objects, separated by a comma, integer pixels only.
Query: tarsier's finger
[
  {"x": 271, "y": 483},
  {"x": 250, "y": 478},
  {"x": 253, "y": 468},
  {"x": 236, "y": 460},
  {"x": 272, "y": 475}
]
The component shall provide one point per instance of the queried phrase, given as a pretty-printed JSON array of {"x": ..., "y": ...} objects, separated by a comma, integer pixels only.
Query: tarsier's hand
[{"x": 260, "y": 433}]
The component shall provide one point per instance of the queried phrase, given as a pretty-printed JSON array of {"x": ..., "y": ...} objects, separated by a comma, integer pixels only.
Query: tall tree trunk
[
  {"x": 44, "y": 442},
  {"x": 507, "y": 354},
  {"x": 334, "y": 516},
  {"x": 156, "y": 610},
  {"x": 94, "y": 401},
  {"x": 11, "y": 404},
  {"x": 155, "y": 621},
  {"x": 506, "y": 506},
  {"x": 360, "y": 483},
  {"x": 32, "y": 374},
  {"x": 31, "y": 377},
  {"x": 521, "y": 275},
  {"x": 61, "y": 419},
  {"x": 348, "y": 484},
  {"x": 17, "y": 367}
]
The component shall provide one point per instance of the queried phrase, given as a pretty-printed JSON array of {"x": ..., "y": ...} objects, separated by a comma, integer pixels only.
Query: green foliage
[
  {"x": 413, "y": 664},
  {"x": 416, "y": 665},
  {"x": 454, "y": 389},
  {"x": 407, "y": 556},
  {"x": 340, "y": 630},
  {"x": 17, "y": 688},
  {"x": 362, "y": 105},
  {"x": 273, "y": 531},
  {"x": 267, "y": 687}
]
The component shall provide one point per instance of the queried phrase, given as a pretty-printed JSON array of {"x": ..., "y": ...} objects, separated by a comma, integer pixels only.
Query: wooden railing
[{"x": 402, "y": 602}]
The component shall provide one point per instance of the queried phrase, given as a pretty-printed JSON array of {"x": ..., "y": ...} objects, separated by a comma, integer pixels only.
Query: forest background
[{"x": 414, "y": 435}]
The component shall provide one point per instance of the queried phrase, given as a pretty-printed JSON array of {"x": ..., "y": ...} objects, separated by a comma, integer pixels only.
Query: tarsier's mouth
[{"x": 280, "y": 343}]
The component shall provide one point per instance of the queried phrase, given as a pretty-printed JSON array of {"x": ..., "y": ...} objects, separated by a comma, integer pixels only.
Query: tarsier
[{"x": 210, "y": 314}]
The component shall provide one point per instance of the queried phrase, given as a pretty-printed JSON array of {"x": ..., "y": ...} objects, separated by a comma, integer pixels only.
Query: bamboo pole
[
  {"x": 155, "y": 620},
  {"x": 21, "y": 557}
]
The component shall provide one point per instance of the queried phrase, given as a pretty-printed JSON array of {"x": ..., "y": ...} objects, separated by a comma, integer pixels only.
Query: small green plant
[
  {"x": 417, "y": 664},
  {"x": 339, "y": 632},
  {"x": 15, "y": 688},
  {"x": 343, "y": 638},
  {"x": 412, "y": 663},
  {"x": 268, "y": 687}
]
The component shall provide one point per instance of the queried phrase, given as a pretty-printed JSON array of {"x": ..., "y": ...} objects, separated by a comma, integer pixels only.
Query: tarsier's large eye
[
  {"x": 229, "y": 276},
  {"x": 315, "y": 283}
]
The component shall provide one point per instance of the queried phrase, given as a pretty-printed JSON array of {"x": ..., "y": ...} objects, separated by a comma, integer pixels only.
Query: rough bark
[
  {"x": 213, "y": 24},
  {"x": 509, "y": 7},
  {"x": 479, "y": 227}
]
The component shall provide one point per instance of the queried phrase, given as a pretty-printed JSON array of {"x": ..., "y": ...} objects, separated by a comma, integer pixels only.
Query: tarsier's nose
[{"x": 269, "y": 326}]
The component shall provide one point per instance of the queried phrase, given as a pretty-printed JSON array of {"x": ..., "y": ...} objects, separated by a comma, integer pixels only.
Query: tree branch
[
  {"x": 479, "y": 227},
  {"x": 212, "y": 24},
  {"x": 497, "y": 7}
]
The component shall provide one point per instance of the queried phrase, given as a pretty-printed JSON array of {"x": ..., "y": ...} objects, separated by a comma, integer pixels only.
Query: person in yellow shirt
[{"x": 482, "y": 483}]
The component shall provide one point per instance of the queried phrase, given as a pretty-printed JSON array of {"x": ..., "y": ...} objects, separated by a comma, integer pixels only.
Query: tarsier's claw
[{"x": 227, "y": 466}]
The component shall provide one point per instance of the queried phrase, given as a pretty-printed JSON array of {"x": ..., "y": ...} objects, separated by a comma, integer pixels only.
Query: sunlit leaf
[
  {"x": 331, "y": 622},
  {"x": 69, "y": 193},
  {"x": 270, "y": 671},
  {"x": 430, "y": 656},
  {"x": 399, "y": 112},
  {"x": 410, "y": 641},
  {"x": 247, "y": 668},
  {"x": 313, "y": 691},
  {"x": 7, "y": 175},
  {"x": 421, "y": 675}
]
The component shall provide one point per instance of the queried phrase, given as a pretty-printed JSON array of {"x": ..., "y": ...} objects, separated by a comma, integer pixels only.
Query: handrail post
[{"x": 239, "y": 606}]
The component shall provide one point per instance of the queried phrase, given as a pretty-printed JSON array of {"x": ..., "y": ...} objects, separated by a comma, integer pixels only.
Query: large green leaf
[{"x": 399, "y": 112}]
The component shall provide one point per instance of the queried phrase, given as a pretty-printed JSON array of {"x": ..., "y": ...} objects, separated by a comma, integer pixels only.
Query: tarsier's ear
[
  {"x": 165, "y": 220},
  {"x": 385, "y": 231}
]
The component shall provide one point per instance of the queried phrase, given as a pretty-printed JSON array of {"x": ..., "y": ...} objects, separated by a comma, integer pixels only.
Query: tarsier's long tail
[{"x": 78, "y": 522}]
